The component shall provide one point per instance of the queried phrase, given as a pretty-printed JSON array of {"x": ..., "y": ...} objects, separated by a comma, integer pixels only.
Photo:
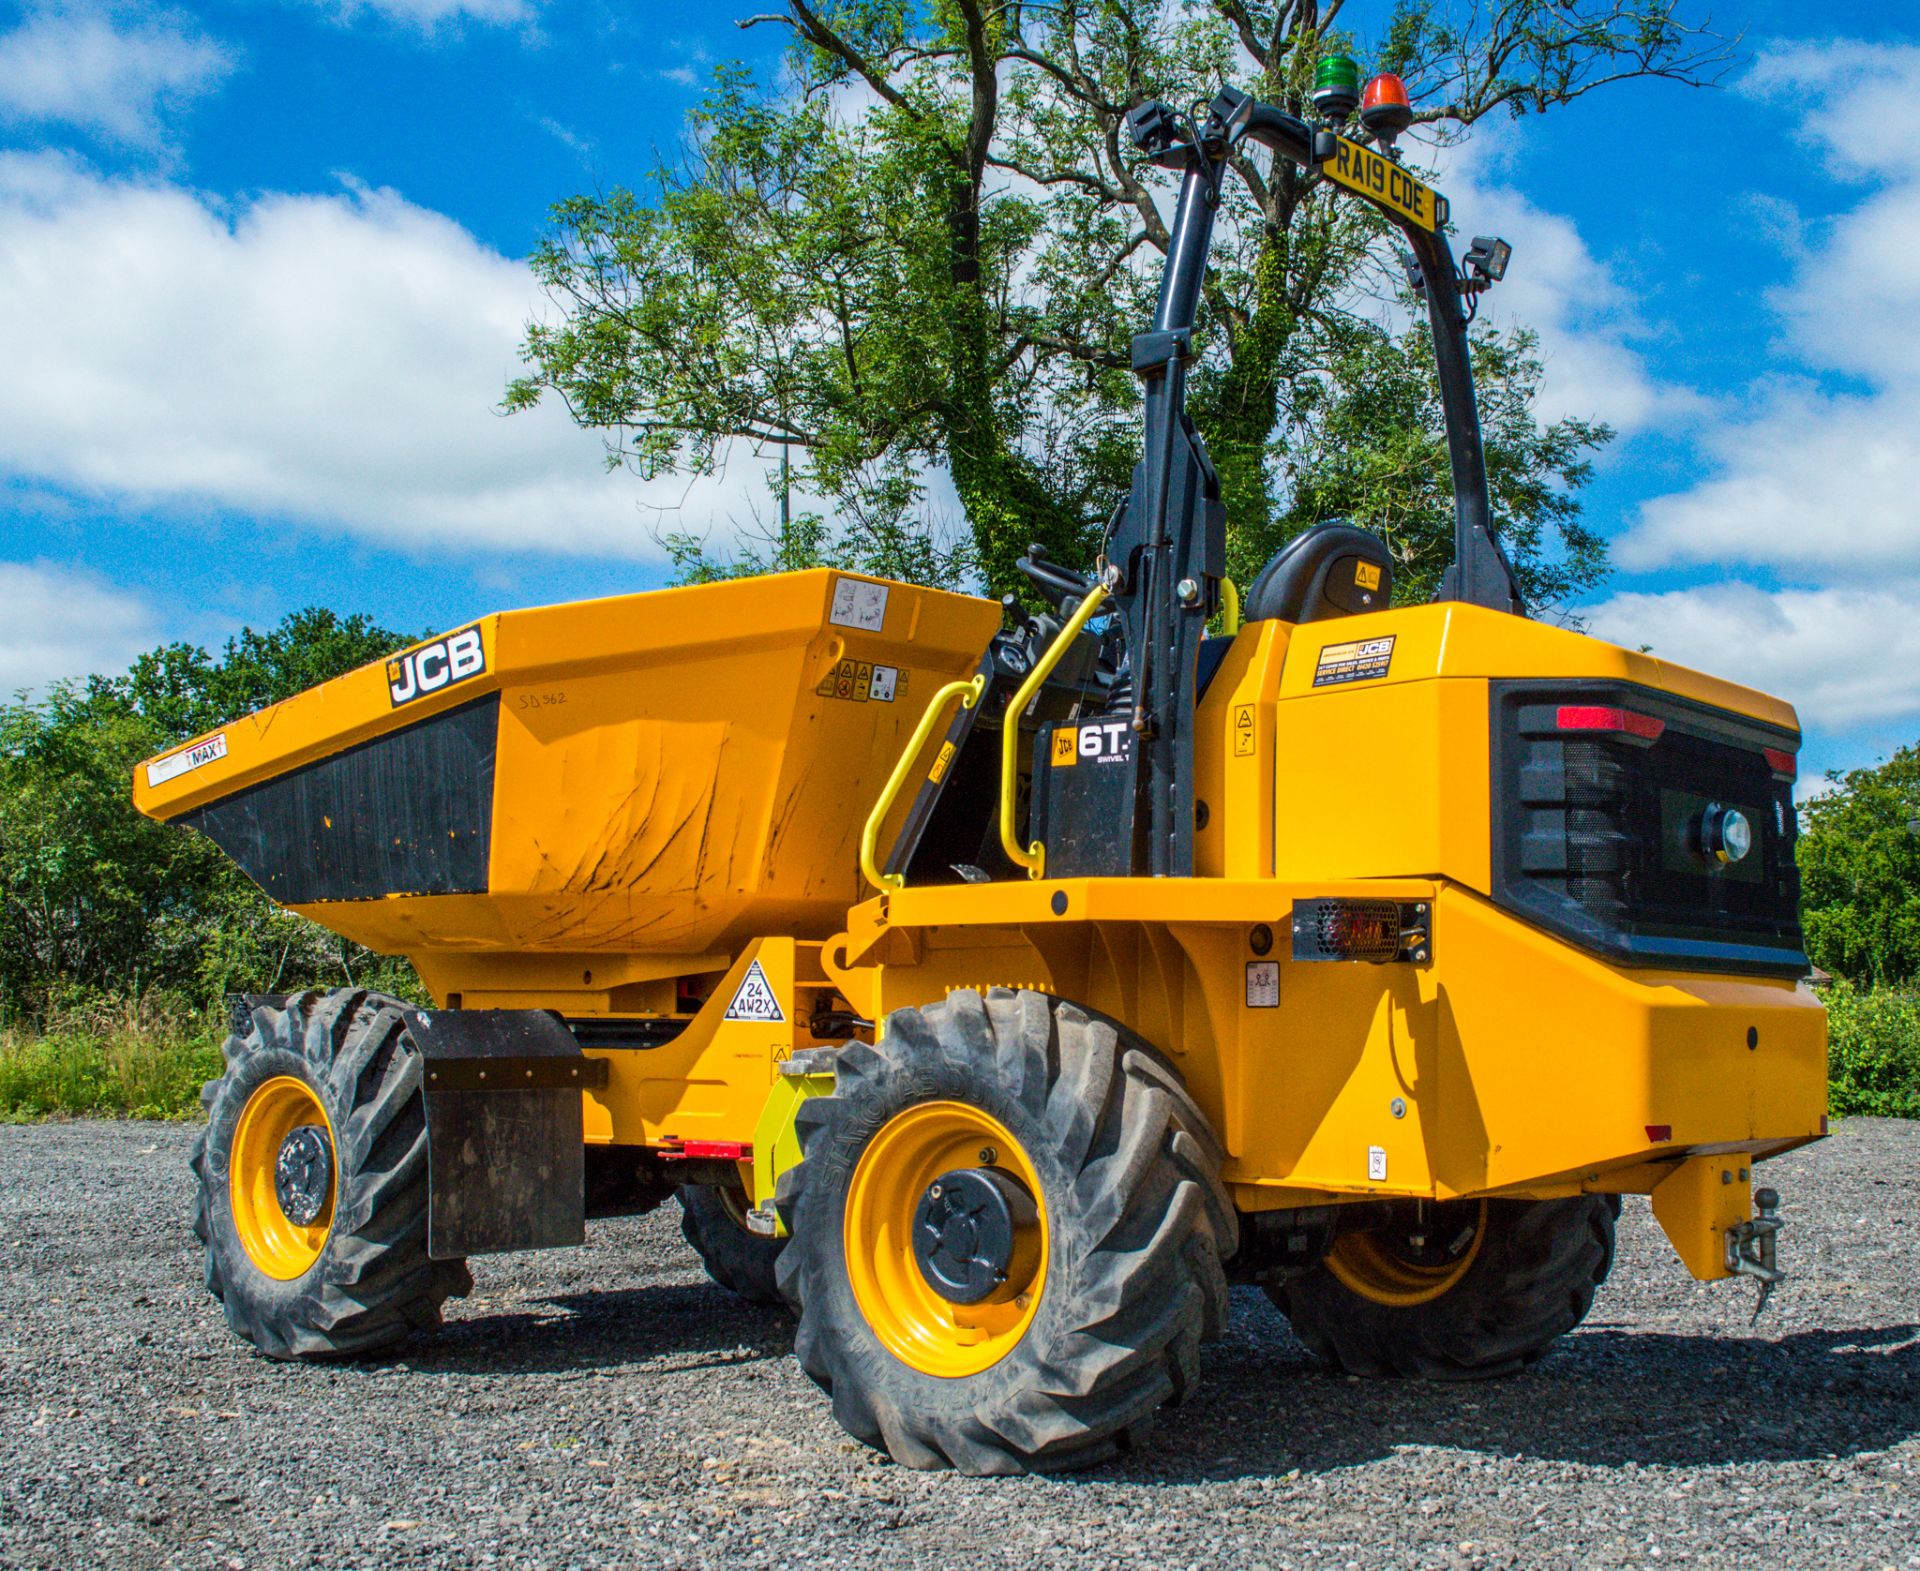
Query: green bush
[
  {"x": 144, "y": 1060},
  {"x": 1873, "y": 1036}
]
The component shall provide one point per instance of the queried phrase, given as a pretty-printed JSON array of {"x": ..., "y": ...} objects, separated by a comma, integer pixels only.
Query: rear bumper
[{"x": 1557, "y": 1067}]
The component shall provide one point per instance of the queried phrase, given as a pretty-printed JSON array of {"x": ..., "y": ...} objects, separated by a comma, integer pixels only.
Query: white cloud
[
  {"x": 1586, "y": 319},
  {"x": 428, "y": 15},
  {"x": 331, "y": 359},
  {"x": 56, "y": 623},
  {"x": 1817, "y": 483},
  {"x": 1842, "y": 656},
  {"x": 78, "y": 68}
]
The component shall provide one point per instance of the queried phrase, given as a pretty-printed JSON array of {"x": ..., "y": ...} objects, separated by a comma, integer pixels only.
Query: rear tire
[
  {"x": 714, "y": 1222},
  {"x": 1529, "y": 1279},
  {"x": 356, "y": 1277},
  {"x": 1114, "y": 1298}
]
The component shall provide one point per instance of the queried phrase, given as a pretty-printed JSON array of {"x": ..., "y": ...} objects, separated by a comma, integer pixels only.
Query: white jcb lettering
[
  {"x": 439, "y": 664},
  {"x": 464, "y": 654},
  {"x": 430, "y": 667}
]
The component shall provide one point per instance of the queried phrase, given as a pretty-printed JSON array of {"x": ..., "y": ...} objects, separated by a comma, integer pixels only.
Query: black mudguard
[{"x": 505, "y": 1146}]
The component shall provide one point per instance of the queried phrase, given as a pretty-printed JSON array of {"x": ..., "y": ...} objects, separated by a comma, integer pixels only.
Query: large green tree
[
  {"x": 1860, "y": 872},
  {"x": 929, "y": 245},
  {"x": 97, "y": 900}
]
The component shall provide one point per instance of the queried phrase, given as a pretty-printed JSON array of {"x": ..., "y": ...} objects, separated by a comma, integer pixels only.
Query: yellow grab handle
[
  {"x": 969, "y": 694},
  {"x": 1229, "y": 608},
  {"x": 1034, "y": 858}
]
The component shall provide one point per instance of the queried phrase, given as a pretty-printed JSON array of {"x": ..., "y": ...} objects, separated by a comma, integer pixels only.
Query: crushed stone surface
[{"x": 609, "y": 1407}]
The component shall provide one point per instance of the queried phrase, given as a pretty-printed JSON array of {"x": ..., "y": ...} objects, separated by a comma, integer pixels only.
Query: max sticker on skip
[{"x": 457, "y": 657}]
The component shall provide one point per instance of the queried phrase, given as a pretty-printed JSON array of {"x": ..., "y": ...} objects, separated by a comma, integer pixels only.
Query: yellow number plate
[{"x": 1362, "y": 169}]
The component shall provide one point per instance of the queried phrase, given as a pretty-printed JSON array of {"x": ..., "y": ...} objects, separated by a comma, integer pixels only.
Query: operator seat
[{"x": 1331, "y": 569}]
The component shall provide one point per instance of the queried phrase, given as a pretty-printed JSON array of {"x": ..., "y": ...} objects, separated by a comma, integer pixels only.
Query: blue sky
[{"x": 260, "y": 289}]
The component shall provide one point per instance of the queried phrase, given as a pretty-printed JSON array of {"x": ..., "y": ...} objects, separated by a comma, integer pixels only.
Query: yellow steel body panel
[
  {"x": 1390, "y": 776},
  {"x": 1697, "y": 1203},
  {"x": 1523, "y": 1066},
  {"x": 677, "y": 772}
]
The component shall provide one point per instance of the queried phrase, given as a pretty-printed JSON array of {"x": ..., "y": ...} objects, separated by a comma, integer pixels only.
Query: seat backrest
[{"x": 1331, "y": 569}]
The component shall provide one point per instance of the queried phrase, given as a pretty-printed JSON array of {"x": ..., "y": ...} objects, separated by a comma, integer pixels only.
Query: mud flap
[{"x": 505, "y": 1148}]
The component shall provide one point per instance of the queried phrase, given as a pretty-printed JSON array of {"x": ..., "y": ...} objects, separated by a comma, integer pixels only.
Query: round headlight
[{"x": 1726, "y": 833}]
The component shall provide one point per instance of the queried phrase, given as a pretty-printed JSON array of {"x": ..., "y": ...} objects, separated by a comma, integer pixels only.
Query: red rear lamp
[
  {"x": 1609, "y": 717},
  {"x": 1781, "y": 762},
  {"x": 1384, "y": 109},
  {"x": 1347, "y": 930}
]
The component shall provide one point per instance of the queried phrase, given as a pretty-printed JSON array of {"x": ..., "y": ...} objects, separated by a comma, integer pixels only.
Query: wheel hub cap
[
  {"x": 303, "y": 1174},
  {"x": 975, "y": 1235}
]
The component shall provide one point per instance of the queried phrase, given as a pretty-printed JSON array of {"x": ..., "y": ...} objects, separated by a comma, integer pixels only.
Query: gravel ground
[{"x": 606, "y": 1406}]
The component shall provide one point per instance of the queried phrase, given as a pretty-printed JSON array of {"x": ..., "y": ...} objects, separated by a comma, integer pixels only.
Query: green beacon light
[{"x": 1336, "y": 87}]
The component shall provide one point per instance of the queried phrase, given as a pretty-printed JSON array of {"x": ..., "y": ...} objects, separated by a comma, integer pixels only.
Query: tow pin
[{"x": 1752, "y": 1248}]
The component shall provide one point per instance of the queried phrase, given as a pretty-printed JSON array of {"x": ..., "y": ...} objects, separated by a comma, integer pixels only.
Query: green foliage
[
  {"x": 97, "y": 901},
  {"x": 1860, "y": 872},
  {"x": 888, "y": 548},
  {"x": 146, "y": 1061},
  {"x": 1873, "y": 1047},
  {"x": 1368, "y": 444},
  {"x": 930, "y": 245}
]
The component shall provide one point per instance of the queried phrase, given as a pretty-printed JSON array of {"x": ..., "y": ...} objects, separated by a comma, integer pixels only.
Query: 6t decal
[{"x": 433, "y": 666}]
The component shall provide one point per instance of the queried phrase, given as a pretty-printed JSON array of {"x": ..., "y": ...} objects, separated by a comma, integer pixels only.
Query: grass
[{"x": 121, "y": 1061}]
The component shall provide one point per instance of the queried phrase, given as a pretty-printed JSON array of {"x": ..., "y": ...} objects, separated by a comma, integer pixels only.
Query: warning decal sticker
[
  {"x": 1364, "y": 660},
  {"x": 858, "y": 605},
  {"x": 1263, "y": 984},
  {"x": 860, "y": 681},
  {"x": 1243, "y": 731},
  {"x": 755, "y": 1000}
]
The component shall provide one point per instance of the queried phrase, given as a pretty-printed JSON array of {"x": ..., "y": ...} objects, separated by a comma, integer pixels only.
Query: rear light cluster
[{"x": 1607, "y": 717}]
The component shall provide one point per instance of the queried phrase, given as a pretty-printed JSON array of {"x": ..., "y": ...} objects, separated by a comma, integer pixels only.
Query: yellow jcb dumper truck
[{"x": 996, "y": 995}]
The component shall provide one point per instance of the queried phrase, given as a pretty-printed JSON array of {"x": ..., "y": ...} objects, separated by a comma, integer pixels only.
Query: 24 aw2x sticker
[
  {"x": 458, "y": 657},
  {"x": 755, "y": 999}
]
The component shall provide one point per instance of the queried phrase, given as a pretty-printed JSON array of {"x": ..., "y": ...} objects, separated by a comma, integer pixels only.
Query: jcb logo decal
[
  {"x": 1108, "y": 742},
  {"x": 433, "y": 666}
]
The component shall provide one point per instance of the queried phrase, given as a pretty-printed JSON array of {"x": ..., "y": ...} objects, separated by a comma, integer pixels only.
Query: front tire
[
  {"x": 312, "y": 1181},
  {"x": 1113, "y": 1279},
  {"x": 1487, "y": 1289}
]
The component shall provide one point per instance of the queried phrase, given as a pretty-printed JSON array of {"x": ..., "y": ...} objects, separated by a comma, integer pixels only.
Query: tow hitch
[{"x": 1752, "y": 1248}]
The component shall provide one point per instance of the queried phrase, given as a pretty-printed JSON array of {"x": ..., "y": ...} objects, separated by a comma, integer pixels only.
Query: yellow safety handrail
[
  {"x": 1033, "y": 858},
  {"x": 969, "y": 694},
  {"x": 1229, "y": 608}
]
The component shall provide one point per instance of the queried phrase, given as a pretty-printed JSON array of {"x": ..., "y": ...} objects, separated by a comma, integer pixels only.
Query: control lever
[{"x": 1057, "y": 585}]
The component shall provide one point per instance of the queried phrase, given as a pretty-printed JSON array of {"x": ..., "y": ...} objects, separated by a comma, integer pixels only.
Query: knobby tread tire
[
  {"x": 741, "y": 1262},
  {"x": 1139, "y": 1225},
  {"x": 1531, "y": 1283},
  {"x": 373, "y": 1284}
]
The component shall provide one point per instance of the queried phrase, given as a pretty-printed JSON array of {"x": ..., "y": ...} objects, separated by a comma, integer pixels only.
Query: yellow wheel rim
[
  {"x": 279, "y": 1246},
  {"x": 918, "y": 1326},
  {"x": 1368, "y": 1264}
]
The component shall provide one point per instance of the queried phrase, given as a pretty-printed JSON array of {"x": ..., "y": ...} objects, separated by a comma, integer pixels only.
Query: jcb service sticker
[
  {"x": 1364, "y": 660},
  {"x": 458, "y": 657}
]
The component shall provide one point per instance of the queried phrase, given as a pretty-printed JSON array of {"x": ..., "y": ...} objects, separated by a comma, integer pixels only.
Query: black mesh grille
[{"x": 1595, "y": 832}]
